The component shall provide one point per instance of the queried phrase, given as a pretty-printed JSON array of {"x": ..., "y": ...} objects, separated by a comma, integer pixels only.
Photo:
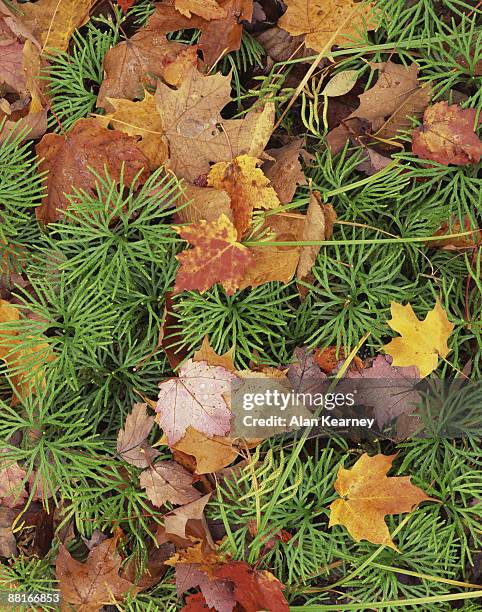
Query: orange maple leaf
[
  {"x": 217, "y": 257},
  {"x": 368, "y": 495}
]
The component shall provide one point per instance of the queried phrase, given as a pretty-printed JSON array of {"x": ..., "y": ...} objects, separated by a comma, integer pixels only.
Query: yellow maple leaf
[
  {"x": 247, "y": 187},
  {"x": 139, "y": 119},
  {"x": 421, "y": 343},
  {"x": 320, "y": 20},
  {"x": 369, "y": 495}
]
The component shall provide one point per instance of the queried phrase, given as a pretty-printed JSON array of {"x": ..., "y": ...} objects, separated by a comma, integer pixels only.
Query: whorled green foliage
[
  {"x": 253, "y": 321},
  {"x": 351, "y": 293},
  {"x": 21, "y": 188}
]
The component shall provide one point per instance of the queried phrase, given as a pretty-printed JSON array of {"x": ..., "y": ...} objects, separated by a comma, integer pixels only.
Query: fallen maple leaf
[
  {"x": 197, "y": 133},
  {"x": 139, "y": 119},
  {"x": 254, "y": 589},
  {"x": 53, "y": 22},
  {"x": 285, "y": 172},
  {"x": 131, "y": 440},
  {"x": 421, "y": 342},
  {"x": 11, "y": 67},
  {"x": 324, "y": 20},
  {"x": 134, "y": 64},
  {"x": 195, "y": 399},
  {"x": 247, "y": 187},
  {"x": 447, "y": 135},
  {"x": 68, "y": 160},
  {"x": 395, "y": 392},
  {"x": 218, "y": 36},
  {"x": 275, "y": 263},
  {"x": 211, "y": 454},
  {"x": 90, "y": 585},
  {"x": 125, "y": 5},
  {"x": 318, "y": 226},
  {"x": 369, "y": 495},
  {"x": 387, "y": 106},
  {"x": 168, "y": 481},
  {"x": 217, "y": 257},
  {"x": 208, "y": 354}
]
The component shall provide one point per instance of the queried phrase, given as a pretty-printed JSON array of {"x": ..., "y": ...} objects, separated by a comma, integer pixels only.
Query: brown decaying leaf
[
  {"x": 8, "y": 546},
  {"x": 369, "y": 495},
  {"x": 192, "y": 118},
  {"x": 135, "y": 63},
  {"x": 396, "y": 395},
  {"x": 53, "y": 22},
  {"x": 139, "y": 119},
  {"x": 455, "y": 227},
  {"x": 90, "y": 585},
  {"x": 168, "y": 481},
  {"x": 131, "y": 440},
  {"x": 217, "y": 257},
  {"x": 68, "y": 159},
  {"x": 254, "y": 589},
  {"x": 246, "y": 185},
  {"x": 218, "y": 36},
  {"x": 320, "y": 20},
  {"x": 203, "y": 203},
  {"x": 176, "y": 523},
  {"x": 318, "y": 226},
  {"x": 447, "y": 135},
  {"x": 387, "y": 106},
  {"x": 195, "y": 398},
  {"x": 285, "y": 172},
  {"x": 12, "y": 487}
]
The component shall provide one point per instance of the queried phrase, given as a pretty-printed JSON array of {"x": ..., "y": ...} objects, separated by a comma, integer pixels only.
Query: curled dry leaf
[
  {"x": 217, "y": 257},
  {"x": 196, "y": 399},
  {"x": 369, "y": 495},
  {"x": 323, "y": 20},
  {"x": 68, "y": 160},
  {"x": 318, "y": 227},
  {"x": 246, "y": 185},
  {"x": 447, "y": 135},
  {"x": 131, "y": 440},
  {"x": 135, "y": 63},
  {"x": 90, "y": 585},
  {"x": 168, "y": 481},
  {"x": 285, "y": 172},
  {"x": 178, "y": 522},
  {"x": 421, "y": 343},
  {"x": 139, "y": 119},
  {"x": 455, "y": 227}
]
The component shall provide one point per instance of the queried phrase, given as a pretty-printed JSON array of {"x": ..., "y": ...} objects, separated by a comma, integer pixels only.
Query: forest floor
[{"x": 206, "y": 208}]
